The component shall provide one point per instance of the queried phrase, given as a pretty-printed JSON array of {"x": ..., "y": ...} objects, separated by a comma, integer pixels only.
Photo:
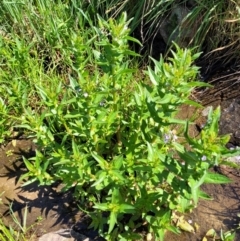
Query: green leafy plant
[
  {"x": 224, "y": 236},
  {"x": 4, "y": 128},
  {"x": 113, "y": 139},
  {"x": 228, "y": 235}
]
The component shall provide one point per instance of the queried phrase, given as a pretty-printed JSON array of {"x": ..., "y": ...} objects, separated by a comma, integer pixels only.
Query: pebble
[{"x": 64, "y": 235}]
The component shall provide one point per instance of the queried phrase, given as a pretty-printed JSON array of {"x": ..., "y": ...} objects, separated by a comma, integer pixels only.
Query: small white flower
[
  {"x": 85, "y": 94},
  {"x": 204, "y": 158}
]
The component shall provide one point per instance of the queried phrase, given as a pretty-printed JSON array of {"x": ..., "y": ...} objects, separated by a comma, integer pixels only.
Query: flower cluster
[{"x": 170, "y": 137}]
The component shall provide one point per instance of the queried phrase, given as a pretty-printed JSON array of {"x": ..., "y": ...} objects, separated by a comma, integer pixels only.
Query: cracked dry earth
[{"x": 56, "y": 217}]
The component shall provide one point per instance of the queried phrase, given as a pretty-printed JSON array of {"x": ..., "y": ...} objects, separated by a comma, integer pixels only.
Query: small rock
[
  {"x": 149, "y": 237},
  {"x": 64, "y": 235}
]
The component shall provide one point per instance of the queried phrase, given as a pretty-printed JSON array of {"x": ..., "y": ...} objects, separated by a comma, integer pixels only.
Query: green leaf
[
  {"x": 129, "y": 38},
  {"x": 75, "y": 148},
  {"x": 117, "y": 176},
  {"x": 180, "y": 148},
  {"x": 97, "y": 54},
  {"x": 216, "y": 178},
  {"x": 195, "y": 184},
  {"x": 118, "y": 162},
  {"x": 166, "y": 73},
  {"x": 166, "y": 99},
  {"x": 116, "y": 196},
  {"x": 184, "y": 205},
  {"x": 193, "y": 103},
  {"x": 62, "y": 162},
  {"x": 150, "y": 152},
  {"x": 71, "y": 115},
  {"x": 204, "y": 195},
  {"x": 112, "y": 118},
  {"x": 102, "y": 163},
  {"x": 153, "y": 76},
  {"x": 161, "y": 233},
  {"x": 28, "y": 164},
  {"x": 127, "y": 208},
  {"x": 112, "y": 221},
  {"x": 173, "y": 229},
  {"x": 30, "y": 181},
  {"x": 100, "y": 179},
  {"x": 176, "y": 121},
  {"x": 229, "y": 236},
  {"x": 198, "y": 84},
  {"x": 131, "y": 53},
  {"x": 50, "y": 135},
  {"x": 121, "y": 72},
  {"x": 137, "y": 99},
  {"x": 101, "y": 206},
  {"x": 73, "y": 83}
]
